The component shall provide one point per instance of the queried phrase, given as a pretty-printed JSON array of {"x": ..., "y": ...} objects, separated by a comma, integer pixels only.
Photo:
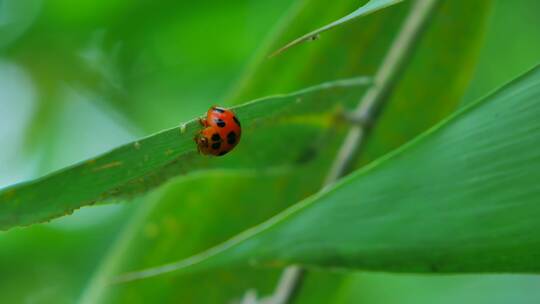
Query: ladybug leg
[
  {"x": 196, "y": 140},
  {"x": 202, "y": 122},
  {"x": 202, "y": 143}
]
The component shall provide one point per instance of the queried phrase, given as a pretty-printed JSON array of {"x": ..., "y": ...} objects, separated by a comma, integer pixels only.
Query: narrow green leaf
[
  {"x": 141, "y": 165},
  {"x": 370, "y": 7},
  {"x": 461, "y": 198},
  {"x": 163, "y": 230},
  {"x": 450, "y": 46},
  {"x": 362, "y": 45}
]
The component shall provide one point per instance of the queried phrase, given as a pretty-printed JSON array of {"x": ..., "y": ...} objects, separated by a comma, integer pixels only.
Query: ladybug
[{"x": 221, "y": 132}]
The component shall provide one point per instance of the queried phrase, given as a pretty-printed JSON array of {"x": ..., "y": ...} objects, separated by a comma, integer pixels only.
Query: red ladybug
[{"x": 221, "y": 132}]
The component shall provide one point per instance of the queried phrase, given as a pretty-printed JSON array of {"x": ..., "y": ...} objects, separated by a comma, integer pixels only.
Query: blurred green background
[{"x": 77, "y": 79}]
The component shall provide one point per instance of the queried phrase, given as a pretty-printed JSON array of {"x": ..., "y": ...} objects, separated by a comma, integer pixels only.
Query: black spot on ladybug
[
  {"x": 220, "y": 122},
  {"x": 216, "y": 137},
  {"x": 219, "y": 110},
  {"x": 216, "y": 145},
  {"x": 236, "y": 121},
  {"x": 222, "y": 153},
  {"x": 231, "y": 138}
]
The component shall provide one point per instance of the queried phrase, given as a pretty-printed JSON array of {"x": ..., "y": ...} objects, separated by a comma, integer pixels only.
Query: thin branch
[{"x": 365, "y": 113}]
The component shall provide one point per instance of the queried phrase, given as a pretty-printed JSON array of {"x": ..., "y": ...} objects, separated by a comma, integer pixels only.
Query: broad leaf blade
[
  {"x": 139, "y": 166},
  {"x": 450, "y": 46},
  {"x": 370, "y": 7},
  {"x": 461, "y": 198},
  {"x": 162, "y": 231}
]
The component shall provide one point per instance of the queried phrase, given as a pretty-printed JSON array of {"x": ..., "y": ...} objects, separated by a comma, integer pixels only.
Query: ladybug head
[{"x": 202, "y": 141}]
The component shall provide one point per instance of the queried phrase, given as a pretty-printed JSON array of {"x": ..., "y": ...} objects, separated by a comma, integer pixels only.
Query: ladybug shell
[{"x": 221, "y": 134}]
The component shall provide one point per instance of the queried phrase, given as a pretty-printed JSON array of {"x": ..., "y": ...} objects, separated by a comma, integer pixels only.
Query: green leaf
[
  {"x": 48, "y": 263},
  {"x": 424, "y": 106},
  {"x": 350, "y": 51},
  {"x": 185, "y": 210},
  {"x": 421, "y": 98},
  {"x": 444, "y": 289},
  {"x": 521, "y": 30},
  {"x": 370, "y": 7},
  {"x": 141, "y": 165},
  {"x": 237, "y": 211},
  {"x": 163, "y": 229},
  {"x": 450, "y": 46},
  {"x": 461, "y": 198}
]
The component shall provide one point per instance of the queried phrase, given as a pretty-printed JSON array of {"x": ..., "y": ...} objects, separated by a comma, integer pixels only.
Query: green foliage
[
  {"x": 370, "y": 7},
  {"x": 138, "y": 166},
  {"x": 459, "y": 198},
  {"x": 161, "y": 231},
  {"x": 107, "y": 72}
]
